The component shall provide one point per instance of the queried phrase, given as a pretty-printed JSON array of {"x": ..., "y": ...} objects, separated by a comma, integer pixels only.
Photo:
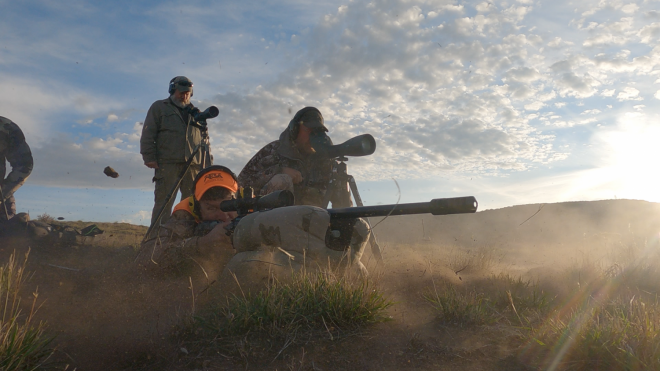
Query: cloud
[
  {"x": 523, "y": 74},
  {"x": 534, "y": 106},
  {"x": 630, "y": 8},
  {"x": 570, "y": 84},
  {"x": 611, "y": 33},
  {"x": 428, "y": 89},
  {"x": 443, "y": 87},
  {"x": 629, "y": 93},
  {"x": 64, "y": 161},
  {"x": 34, "y": 105},
  {"x": 142, "y": 217},
  {"x": 608, "y": 92},
  {"x": 557, "y": 42},
  {"x": 650, "y": 34}
]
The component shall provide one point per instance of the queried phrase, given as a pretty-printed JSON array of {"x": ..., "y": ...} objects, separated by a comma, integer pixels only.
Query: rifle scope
[
  {"x": 270, "y": 201},
  {"x": 197, "y": 115},
  {"x": 361, "y": 145}
]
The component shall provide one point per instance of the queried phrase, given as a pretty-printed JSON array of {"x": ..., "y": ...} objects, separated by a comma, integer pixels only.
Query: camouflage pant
[
  {"x": 10, "y": 204},
  {"x": 165, "y": 178}
]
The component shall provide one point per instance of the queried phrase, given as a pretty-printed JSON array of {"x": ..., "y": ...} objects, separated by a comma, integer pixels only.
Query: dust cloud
[
  {"x": 108, "y": 316},
  {"x": 536, "y": 242}
]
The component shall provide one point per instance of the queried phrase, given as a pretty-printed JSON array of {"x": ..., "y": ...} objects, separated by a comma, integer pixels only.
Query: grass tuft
[
  {"x": 23, "y": 344},
  {"x": 459, "y": 306},
  {"x": 611, "y": 320},
  {"x": 319, "y": 305},
  {"x": 619, "y": 335},
  {"x": 497, "y": 298},
  {"x": 481, "y": 259},
  {"x": 309, "y": 302}
]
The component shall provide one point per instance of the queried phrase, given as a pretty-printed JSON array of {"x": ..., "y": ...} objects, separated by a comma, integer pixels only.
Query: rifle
[
  {"x": 339, "y": 232},
  {"x": 342, "y": 220},
  {"x": 245, "y": 204}
]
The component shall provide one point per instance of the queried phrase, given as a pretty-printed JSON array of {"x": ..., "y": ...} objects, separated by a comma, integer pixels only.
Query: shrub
[{"x": 45, "y": 218}]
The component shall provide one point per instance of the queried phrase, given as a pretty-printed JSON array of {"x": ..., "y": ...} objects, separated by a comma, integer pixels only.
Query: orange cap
[{"x": 214, "y": 178}]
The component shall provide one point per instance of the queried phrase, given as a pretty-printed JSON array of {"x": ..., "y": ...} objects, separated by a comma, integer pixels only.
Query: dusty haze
[{"x": 106, "y": 317}]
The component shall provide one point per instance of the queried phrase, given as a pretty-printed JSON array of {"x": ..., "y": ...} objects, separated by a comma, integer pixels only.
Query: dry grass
[
  {"x": 324, "y": 304},
  {"x": 604, "y": 315},
  {"x": 601, "y": 313},
  {"x": 610, "y": 318},
  {"x": 498, "y": 299},
  {"x": 115, "y": 235},
  {"x": 23, "y": 343},
  {"x": 481, "y": 259}
]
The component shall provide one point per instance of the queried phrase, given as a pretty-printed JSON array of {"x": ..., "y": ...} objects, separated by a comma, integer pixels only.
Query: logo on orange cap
[{"x": 215, "y": 178}]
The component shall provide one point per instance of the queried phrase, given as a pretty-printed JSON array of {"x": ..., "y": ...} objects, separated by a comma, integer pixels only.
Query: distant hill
[{"x": 564, "y": 223}]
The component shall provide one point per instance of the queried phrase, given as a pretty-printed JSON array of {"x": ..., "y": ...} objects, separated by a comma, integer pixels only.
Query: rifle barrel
[{"x": 438, "y": 206}]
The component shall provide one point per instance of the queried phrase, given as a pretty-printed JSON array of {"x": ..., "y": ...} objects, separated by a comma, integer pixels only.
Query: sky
[{"x": 513, "y": 102}]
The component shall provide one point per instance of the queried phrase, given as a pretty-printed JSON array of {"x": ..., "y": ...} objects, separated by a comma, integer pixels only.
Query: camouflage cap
[
  {"x": 312, "y": 118},
  {"x": 182, "y": 83}
]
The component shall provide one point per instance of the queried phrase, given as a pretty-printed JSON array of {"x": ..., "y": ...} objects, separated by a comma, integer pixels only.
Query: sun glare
[{"x": 628, "y": 155}]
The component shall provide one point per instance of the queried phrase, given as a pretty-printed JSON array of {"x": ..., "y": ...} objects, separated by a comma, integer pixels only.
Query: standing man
[
  {"x": 169, "y": 137},
  {"x": 13, "y": 149}
]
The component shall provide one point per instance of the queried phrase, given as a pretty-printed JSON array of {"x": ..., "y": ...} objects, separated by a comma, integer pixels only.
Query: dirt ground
[{"x": 107, "y": 316}]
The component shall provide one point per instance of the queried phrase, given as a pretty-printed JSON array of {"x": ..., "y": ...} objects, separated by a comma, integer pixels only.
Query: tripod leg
[
  {"x": 171, "y": 194},
  {"x": 4, "y": 204},
  {"x": 375, "y": 248}
]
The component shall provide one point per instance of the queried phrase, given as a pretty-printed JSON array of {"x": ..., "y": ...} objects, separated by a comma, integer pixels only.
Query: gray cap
[
  {"x": 312, "y": 118},
  {"x": 182, "y": 83}
]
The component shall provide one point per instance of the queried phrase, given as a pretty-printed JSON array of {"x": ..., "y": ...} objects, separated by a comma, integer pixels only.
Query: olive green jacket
[
  {"x": 168, "y": 135},
  {"x": 14, "y": 150}
]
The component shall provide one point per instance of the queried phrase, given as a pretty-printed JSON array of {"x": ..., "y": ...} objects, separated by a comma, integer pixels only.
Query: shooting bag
[{"x": 286, "y": 239}]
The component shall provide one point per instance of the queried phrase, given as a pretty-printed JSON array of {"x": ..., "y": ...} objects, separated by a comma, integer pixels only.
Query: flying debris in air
[{"x": 110, "y": 172}]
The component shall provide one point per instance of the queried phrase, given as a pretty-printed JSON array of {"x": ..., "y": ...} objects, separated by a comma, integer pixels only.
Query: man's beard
[{"x": 177, "y": 102}]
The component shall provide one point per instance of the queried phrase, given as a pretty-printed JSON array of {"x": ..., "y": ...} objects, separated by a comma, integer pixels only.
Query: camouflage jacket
[
  {"x": 168, "y": 134},
  {"x": 275, "y": 156},
  {"x": 13, "y": 149},
  {"x": 174, "y": 244}
]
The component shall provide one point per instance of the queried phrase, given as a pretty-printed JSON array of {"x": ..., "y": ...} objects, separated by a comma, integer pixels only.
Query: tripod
[
  {"x": 205, "y": 149},
  {"x": 338, "y": 190}
]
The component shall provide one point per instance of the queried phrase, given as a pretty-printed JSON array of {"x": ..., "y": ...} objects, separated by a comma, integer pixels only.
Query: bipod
[
  {"x": 338, "y": 188},
  {"x": 205, "y": 149}
]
